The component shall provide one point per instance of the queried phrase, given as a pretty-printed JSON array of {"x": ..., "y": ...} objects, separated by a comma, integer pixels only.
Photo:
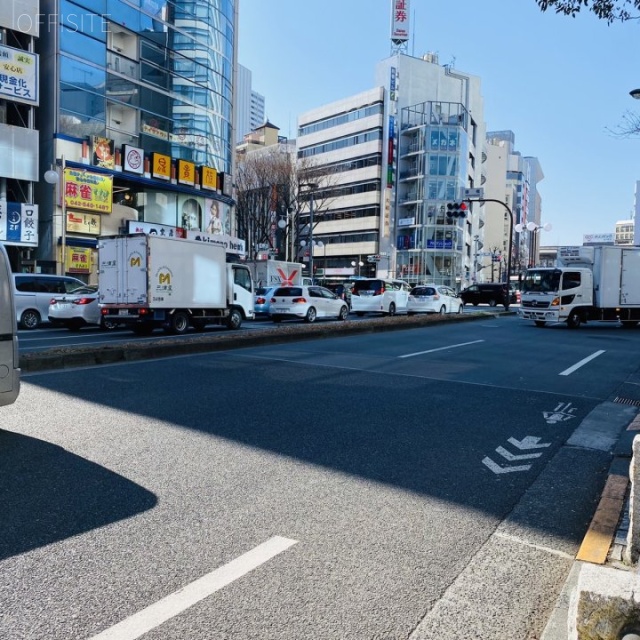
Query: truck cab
[
  {"x": 9, "y": 363},
  {"x": 556, "y": 295}
]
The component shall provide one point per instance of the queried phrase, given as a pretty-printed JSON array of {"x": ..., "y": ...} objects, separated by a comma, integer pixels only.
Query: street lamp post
[
  {"x": 532, "y": 227},
  {"x": 53, "y": 177},
  {"x": 358, "y": 264}
]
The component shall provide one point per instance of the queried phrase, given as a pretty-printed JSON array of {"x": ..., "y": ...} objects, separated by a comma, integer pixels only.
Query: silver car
[
  {"x": 306, "y": 303},
  {"x": 433, "y": 298}
]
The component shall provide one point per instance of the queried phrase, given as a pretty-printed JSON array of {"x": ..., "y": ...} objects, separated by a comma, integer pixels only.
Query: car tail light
[
  {"x": 143, "y": 312},
  {"x": 299, "y": 301},
  {"x": 260, "y": 300},
  {"x": 53, "y": 301},
  {"x": 273, "y": 299},
  {"x": 83, "y": 300},
  {"x": 436, "y": 296}
]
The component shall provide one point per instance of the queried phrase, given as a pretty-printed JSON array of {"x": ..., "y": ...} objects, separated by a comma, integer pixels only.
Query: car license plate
[
  {"x": 279, "y": 310},
  {"x": 123, "y": 312}
]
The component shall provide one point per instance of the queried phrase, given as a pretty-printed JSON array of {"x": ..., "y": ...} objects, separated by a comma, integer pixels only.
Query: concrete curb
[{"x": 72, "y": 357}]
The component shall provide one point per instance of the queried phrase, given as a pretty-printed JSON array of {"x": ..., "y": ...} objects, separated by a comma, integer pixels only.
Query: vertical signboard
[
  {"x": 19, "y": 223},
  {"x": 399, "y": 21}
]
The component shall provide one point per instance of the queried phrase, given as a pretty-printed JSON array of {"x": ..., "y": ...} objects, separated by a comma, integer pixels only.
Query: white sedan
[
  {"x": 78, "y": 309},
  {"x": 432, "y": 298},
  {"x": 306, "y": 303}
]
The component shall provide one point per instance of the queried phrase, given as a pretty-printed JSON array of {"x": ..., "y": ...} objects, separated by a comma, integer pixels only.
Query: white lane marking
[
  {"x": 154, "y": 615},
  {"x": 451, "y": 346},
  {"x": 570, "y": 370},
  {"x": 521, "y": 456}
]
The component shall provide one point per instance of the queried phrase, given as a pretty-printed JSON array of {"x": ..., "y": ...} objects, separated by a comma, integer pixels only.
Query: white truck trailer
[
  {"x": 589, "y": 283},
  {"x": 148, "y": 281},
  {"x": 272, "y": 273}
]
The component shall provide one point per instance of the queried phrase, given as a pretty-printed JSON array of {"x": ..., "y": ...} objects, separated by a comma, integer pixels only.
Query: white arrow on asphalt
[
  {"x": 528, "y": 442},
  {"x": 511, "y": 457},
  {"x": 496, "y": 468}
]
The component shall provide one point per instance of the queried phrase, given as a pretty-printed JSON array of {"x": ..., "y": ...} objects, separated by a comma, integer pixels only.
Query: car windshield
[
  {"x": 375, "y": 286},
  {"x": 544, "y": 280}
]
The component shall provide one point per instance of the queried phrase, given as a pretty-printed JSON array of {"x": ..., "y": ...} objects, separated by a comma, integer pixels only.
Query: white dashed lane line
[{"x": 575, "y": 367}]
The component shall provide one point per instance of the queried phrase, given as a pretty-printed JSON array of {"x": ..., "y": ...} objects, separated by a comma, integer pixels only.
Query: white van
[
  {"x": 33, "y": 293},
  {"x": 379, "y": 295},
  {"x": 9, "y": 362}
]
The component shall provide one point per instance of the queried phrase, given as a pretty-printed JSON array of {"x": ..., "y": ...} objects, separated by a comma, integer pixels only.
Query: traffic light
[{"x": 457, "y": 210}]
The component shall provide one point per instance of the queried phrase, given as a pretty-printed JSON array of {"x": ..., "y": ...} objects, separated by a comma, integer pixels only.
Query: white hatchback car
[
  {"x": 306, "y": 303},
  {"x": 432, "y": 298}
]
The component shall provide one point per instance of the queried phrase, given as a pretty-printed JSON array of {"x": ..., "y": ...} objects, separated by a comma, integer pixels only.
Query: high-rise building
[
  {"x": 249, "y": 105},
  {"x": 19, "y": 100},
  {"x": 396, "y": 156},
  {"x": 512, "y": 179},
  {"x": 136, "y": 120}
]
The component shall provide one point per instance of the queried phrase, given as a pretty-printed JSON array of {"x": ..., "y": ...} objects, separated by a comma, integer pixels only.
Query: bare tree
[
  {"x": 273, "y": 187},
  {"x": 609, "y": 10}
]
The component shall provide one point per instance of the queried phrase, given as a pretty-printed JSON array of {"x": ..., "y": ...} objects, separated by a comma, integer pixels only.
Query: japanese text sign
[
  {"x": 18, "y": 75},
  {"x": 88, "y": 191}
]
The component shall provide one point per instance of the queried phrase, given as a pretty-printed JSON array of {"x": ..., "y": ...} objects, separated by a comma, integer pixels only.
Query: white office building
[{"x": 399, "y": 153}]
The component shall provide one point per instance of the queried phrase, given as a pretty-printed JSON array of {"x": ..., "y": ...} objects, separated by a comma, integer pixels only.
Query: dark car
[
  {"x": 341, "y": 289},
  {"x": 491, "y": 293}
]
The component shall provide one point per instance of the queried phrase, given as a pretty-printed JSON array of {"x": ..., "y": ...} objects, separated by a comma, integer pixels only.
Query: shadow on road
[{"x": 48, "y": 494}]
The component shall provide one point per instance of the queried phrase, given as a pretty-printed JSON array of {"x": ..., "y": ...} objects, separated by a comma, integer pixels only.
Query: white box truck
[
  {"x": 589, "y": 283},
  {"x": 148, "y": 281},
  {"x": 273, "y": 273},
  {"x": 9, "y": 359}
]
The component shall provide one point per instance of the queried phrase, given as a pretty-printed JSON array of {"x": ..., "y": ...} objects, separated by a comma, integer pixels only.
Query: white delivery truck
[
  {"x": 9, "y": 359},
  {"x": 148, "y": 281},
  {"x": 272, "y": 273},
  {"x": 589, "y": 283}
]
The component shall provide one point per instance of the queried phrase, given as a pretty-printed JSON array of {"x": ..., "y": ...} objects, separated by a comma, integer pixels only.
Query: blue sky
[{"x": 560, "y": 84}]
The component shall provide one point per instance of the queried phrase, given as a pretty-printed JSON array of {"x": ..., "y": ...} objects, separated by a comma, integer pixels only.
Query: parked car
[
  {"x": 262, "y": 299},
  {"x": 491, "y": 293},
  {"x": 33, "y": 292},
  {"x": 306, "y": 303},
  {"x": 77, "y": 309},
  {"x": 433, "y": 298},
  {"x": 379, "y": 295}
]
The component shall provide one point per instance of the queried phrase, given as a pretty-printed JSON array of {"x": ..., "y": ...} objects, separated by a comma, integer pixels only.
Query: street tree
[
  {"x": 271, "y": 187},
  {"x": 609, "y": 10}
]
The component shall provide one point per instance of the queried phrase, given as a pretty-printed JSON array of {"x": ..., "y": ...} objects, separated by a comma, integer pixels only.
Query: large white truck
[
  {"x": 273, "y": 273},
  {"x": 148, "y": 281},
  {"x": 588, "y": 283}
]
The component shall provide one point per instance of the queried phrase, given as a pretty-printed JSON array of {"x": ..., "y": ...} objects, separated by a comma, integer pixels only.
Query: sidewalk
[{"x": 601, "y": 594}]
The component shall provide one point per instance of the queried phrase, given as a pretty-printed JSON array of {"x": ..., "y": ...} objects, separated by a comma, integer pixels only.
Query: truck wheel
[
  {"x": 574, "y": 320},
  {"x": 539, "y": 323},
  {"x": 311, "y": 315},
  {"x": 178, "y": 323},
  {"x": 234, "y": 320}
]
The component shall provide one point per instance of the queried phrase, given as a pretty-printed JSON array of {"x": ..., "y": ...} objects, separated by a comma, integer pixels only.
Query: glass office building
[{"x": 139, "y": 97}]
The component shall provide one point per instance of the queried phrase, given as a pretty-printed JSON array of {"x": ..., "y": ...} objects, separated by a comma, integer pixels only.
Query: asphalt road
[{"x": 407, "y": 484}]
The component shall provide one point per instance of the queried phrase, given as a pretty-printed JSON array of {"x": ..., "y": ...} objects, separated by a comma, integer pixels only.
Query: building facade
[
  {"x": 249, "y": 105},
  {"x": 137, "y": 123},
  {"x": 19, "y": 139},
  {"x": 397, "y": 155}
]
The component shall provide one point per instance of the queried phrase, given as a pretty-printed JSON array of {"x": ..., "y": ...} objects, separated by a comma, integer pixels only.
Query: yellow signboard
[
  {"x": 88, "y": 191},
  {"x": 160, "y": 166},
  {"x": 88, "y": 223},
  {"x": 208, "y": 178},
  {"x": 77, "y": 260},
  {"x": 186, "y": 172}
]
